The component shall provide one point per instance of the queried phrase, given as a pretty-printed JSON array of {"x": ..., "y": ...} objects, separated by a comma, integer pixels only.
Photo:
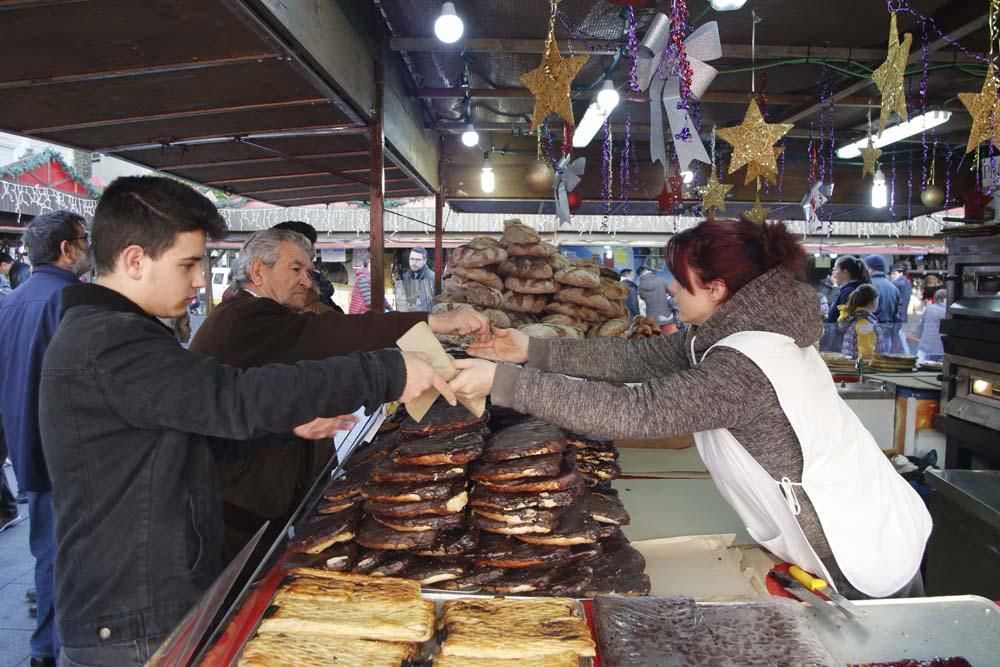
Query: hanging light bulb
[
  {"x": 608, "y": 98},
  {"x": 880, "y": 193},
  {"x": 470, "y": 137},
  {"x": 448, "y": 27},
  {"x": 687, "y": 176},
  {"x": 727, "y": 5},
  {"x": 487, "y": 179}
]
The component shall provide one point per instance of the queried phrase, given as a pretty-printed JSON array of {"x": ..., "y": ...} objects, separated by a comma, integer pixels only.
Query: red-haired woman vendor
[{"x": 785, "y": 451}]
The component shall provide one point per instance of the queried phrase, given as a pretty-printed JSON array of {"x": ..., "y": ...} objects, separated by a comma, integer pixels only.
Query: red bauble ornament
[
  {"x": 975, "y": 203},
  {"x": 574, "y": 200},
  {"x": 671, "y": 196}
]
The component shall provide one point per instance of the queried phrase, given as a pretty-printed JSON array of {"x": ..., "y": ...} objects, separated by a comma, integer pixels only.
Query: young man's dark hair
[
  {"x": 149, "y": 211},
  {"x": 626, "y": 273},
  {"x": 5, "y": 258},
  {"x": 45, "y": 234},
  {"x": 303, "y": 228}
]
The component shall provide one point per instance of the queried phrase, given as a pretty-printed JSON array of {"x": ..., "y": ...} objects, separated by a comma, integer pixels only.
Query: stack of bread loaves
[{"x": 522, "y": 281}]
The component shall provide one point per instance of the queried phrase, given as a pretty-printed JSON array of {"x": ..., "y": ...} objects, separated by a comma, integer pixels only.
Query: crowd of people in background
[{"x": 867, "y": 306}]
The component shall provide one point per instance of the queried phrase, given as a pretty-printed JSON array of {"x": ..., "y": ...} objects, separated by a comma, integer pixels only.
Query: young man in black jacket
[{"x": 125, "y": 413}]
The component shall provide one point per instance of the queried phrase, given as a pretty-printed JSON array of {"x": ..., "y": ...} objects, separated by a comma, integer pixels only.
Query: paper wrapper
[{"x": 420, "y": 338}]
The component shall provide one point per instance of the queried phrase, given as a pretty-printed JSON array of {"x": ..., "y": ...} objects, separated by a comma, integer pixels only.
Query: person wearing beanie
[
  {"x": 897, "y": 274},
  {"x": 888, "y": 294}
]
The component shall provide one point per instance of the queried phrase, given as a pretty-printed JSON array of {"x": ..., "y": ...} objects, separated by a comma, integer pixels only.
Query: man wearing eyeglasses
[{"x": 60, "y": 253}]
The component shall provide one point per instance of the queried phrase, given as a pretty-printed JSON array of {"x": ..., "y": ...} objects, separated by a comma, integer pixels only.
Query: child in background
[{"x": 863, "y": 338}]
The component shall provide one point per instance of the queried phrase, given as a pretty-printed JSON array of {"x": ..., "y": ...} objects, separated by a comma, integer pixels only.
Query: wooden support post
[
  {"x": 376, "y": 144},
  {"x": 439, "y": 222}
]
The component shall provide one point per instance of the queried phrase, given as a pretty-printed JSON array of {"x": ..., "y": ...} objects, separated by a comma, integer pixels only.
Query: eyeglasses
[{"x": 85, "y": 237}]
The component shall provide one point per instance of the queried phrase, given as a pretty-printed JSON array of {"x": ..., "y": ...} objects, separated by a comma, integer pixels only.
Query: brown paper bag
[{"x": 420, "y": 338}]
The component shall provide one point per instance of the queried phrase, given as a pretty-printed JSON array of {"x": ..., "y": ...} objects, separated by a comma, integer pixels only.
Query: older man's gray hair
[{"x": 265, "y": 246}]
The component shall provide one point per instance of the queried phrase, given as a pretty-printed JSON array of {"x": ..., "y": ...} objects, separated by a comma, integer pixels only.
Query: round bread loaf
[
  {"x": 475, "y": 258},
  {"x": 566, "y": 321},
  {"x": 579, "y": 277},
  {"x": 614, "y": 290},
  {"x": 535, "y": 268},
  {"x": 584, "y": 297},
  {"x": 529, "y": 286},
  {"x": 573, "y": 310},
  {"x": 482, "y": 276},
  {"x": 558, "y": 262},
  {"x": 524, "y": 303},
  {"x": 543, "y": 249},
  {"x": 498, "y": 319},
  {"x": 516, "y": 232},
  {"x": 609, "y": 329}
]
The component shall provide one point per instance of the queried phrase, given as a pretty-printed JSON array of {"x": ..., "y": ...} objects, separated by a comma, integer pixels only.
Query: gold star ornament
[
  {"x": 890, "y": 74},
  {"x": 755, "y": 171},
  {"x": 983, "y": 107},
  {"x": 713, "y": 195},
  {"x": 753, "y": 142},
  {"x": 758, "y": 213},
  {"x": 870, "y": 155},
  {"x": 550, "y": 84}
]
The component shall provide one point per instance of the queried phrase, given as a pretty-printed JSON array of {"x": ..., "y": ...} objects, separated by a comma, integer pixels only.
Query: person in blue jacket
[
  {"x": 60, "y": 253},
  {"x": 849, "y": 273},
  {"x": 888, "y": 301}
]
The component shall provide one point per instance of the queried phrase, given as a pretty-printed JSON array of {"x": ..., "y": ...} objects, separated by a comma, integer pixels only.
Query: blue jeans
[{"x": 42, "y": 541}]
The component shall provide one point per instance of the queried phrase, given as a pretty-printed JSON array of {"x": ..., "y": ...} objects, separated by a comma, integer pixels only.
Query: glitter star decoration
[
  {"x": 890, "y": 74},
  {"x": 755, "y": 170},
  {"x": 753, "y": 142},
  {"x": 758, "y": 213},
  {"x": 713, "y": 195},
  {"x": 870, "y": 156},
  {"x": 983, "y": 107},
  {"x": 550, "y": 84}
]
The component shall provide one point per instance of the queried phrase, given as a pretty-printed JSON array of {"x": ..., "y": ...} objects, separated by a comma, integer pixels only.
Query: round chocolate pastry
[
  {"x": 442, "y": 418},
  {"x": 342, "y": 489},
  {"x": 475, "y": 578},
  {"x": 524, "y": 580},
  {"x": 603, "y": 471},
  {"x": 588, "y": 552},
  {"x": 394, "y": 566},
  {"x": 606, "y": 509},
  {"x": 322, "y": 532},
  {"x": 431, "y": 572},
  {"x": 631, "y": 585},
  {"x": 339, "y": 557},
  {"x": 575, "y": 527},
  {"x": 395, "y": 472},
  {"x": 581, "y": 442},
  {"x": 569, "y": 479},
  {"x": 414, "y": 492},
  {"x": 374, "y": 535},
  {"x": 547, "y": 465},
  {"x": 422, "y": 523},
  {"x": 533, "y": 437},
  {"x": 520, "y": 517},
  {"x": 333, "y": 506},
  {"x": 496, "y": 551},
  {"x": 484, "y": 497},
  {"x": 440, "y": 450},
  {"x": 369, "y": 559},
  {"x": 571, "y": 582},
  {"x": 452, "y": 543},
  {"x": 427, "y": 508},
  {"x": 503, "y": 528}
]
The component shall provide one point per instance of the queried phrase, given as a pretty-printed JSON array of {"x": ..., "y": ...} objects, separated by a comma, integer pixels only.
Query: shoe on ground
[
  {"x": 22, "y": 499},
  {"x": 8, "y": 519},
  {"x": 33, "y": 611},
  {"x": 43, "y": 662},
  {"x": 29, "y": 595}
]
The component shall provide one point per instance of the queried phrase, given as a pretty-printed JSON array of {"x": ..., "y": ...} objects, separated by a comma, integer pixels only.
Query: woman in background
[{"x": 863, "y": 337}]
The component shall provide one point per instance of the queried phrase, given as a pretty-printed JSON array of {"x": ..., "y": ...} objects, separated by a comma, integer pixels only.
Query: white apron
[{"x": 876, "y": 524}]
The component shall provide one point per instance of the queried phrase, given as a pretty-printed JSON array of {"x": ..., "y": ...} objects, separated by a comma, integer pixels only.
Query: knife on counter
[
  {"x": 804, "y": 594},
  {"x": 817, "y": 585}
]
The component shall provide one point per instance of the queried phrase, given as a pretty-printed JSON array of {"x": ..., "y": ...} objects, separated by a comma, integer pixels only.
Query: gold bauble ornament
[
  {"x": 932, "y": 196},
  {"x": 753, "y": 142},
  {"x": 890, "y": 75},
  {"x": 540, "y": 177},
  {"x": 985, "y": 110}
]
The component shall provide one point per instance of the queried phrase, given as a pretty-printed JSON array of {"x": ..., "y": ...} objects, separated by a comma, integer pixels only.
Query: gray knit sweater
[{"x": 726, "y": 390}]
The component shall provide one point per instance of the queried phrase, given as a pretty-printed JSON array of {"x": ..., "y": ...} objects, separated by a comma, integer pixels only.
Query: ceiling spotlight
[
  {"x": 448, "y": 26},
  {"x": 915, "y": 125},
  {"x": 727, "y": 5},
  {"x": 608, "y": 98},
  {"x": 487, "y": 179},
  {"x": 470, "y": 137},
  {"x": 687, "y": 176}
]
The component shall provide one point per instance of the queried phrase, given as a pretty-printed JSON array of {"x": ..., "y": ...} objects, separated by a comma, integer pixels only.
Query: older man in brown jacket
[{"x": 264, "y": 324}]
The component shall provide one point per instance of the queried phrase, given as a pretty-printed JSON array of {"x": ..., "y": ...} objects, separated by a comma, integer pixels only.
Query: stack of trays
[
  {"x": 893, "y": 363},
  {"x": 521, "y": 511},
  {"x": 839, "y": 363}
]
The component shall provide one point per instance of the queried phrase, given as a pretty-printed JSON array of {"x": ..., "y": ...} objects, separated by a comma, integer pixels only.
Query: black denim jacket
[{"x": 125, "y": 415}]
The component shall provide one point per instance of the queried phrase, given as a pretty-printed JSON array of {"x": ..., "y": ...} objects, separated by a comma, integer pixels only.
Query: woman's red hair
[{"x": 733, "y": 251}]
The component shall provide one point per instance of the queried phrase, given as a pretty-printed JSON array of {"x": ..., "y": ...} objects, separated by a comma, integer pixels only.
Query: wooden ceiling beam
[{"x": 610, "y": 47}]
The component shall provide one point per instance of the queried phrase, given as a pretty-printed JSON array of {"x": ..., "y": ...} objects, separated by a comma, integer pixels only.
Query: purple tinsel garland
[
  {"x": 901, "y": 6},
  {"x": 606, "y": 175},
  {"x": 633, "y": 50}
]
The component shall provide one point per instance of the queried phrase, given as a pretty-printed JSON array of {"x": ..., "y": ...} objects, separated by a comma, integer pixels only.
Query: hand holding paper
[
  {"x": 421, "y": 339},
  {"x": 474, "y": 380},
  {"x": 508, "y": 345},
  {"x": 421, "y": 377}
]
